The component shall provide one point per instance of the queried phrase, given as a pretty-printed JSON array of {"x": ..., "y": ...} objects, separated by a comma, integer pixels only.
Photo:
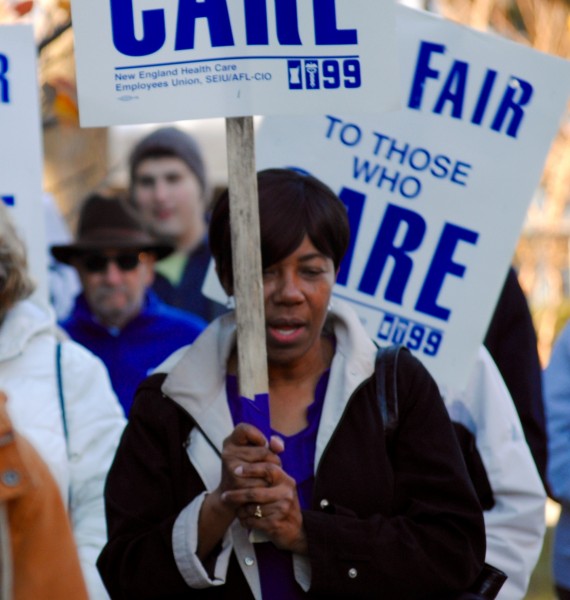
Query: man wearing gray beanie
[{"x": 169, "y": 188}]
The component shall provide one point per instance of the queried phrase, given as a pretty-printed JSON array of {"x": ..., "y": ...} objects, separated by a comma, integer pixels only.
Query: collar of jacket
[
  {"x": 197, "y": 379},
  {"x": 24, "y": 321}
]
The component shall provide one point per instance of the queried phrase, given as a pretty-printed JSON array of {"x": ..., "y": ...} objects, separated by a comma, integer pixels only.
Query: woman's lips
[{"x": 285, "y": 333}]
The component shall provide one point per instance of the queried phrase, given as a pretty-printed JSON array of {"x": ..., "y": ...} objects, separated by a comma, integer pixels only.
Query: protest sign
[
  {"x": 21, "y": 146},
  {"x": 139, "y": 62},
  {"x": 437, "y": 192},
  {"x": 185, "y": 59}
]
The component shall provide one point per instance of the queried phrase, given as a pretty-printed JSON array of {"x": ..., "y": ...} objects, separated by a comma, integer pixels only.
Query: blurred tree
[{"x": 75, "y": 159}]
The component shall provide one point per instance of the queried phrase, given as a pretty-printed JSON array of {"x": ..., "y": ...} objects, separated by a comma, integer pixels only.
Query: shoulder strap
[
  {"x": 386, "y": 371},
  {"x": 60, "y": 391}
]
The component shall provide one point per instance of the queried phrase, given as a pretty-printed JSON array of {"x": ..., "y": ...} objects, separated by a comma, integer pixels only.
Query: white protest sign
[
  {"x": 437, "y": 192},
  {"x": 21, "y": 146},
  {"x": 166, "y": 60}
]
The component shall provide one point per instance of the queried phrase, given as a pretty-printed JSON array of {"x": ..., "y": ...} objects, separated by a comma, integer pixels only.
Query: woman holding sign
[{"x": 201, "y": 472}]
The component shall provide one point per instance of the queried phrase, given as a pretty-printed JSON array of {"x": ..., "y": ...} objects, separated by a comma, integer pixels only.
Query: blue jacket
[
  {"x": 557, "y": 404},
  {"x": 132, "y": 352}
]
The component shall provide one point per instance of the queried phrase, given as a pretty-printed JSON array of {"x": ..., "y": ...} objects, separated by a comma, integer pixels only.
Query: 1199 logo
[{"x": 328, "y": 74}]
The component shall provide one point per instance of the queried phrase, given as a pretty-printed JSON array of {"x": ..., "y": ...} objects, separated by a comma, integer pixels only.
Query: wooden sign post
[
  {"x": 246, "y": 257},
  {"x": 246, "y": 263}
]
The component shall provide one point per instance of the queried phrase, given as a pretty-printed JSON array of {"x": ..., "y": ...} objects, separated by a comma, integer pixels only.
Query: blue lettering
[
  {"x": 332, "y": 122},
  {"x": 509, "y": 114},
  {"x": 354, "y": 202},
  {"x": 221, "y": 34},
  {"x": 384, "y": 247},
  {"x": 350, "y": 135},
  {"x": 424, "y": 162},
  {"x": 4, "y": 87},
  {"x": 402, "y": 152},
  {"x": 433, "y": 343},
  {"x": 509, "y": 103},
  {"x": 123, "y": 25},
  {"x": 423, "y": 72},
  {"x": 363, "y": 170},
  {"x": 287, "y": 22},
  {"x": 441, "y": 166},
  {"x": 460, "y": 170},
  {"x": 453, "y": 90},
  {"x": 441, "y": 265},
  {"x": 410, "y": 191},
  {"x": 392, "y": 181},
  {"x": 256, "y": 30},
  {"x": 215, "y": 11},
  {"x": 8, "y": 200},
  {"x": 379, "y": 141},
  {"x": 326, "y": 32},
  {"x": 484, "y": 96}
]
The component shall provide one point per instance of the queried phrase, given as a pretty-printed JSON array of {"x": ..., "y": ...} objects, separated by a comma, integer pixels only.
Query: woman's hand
[
  {"x": 262, "y": 494},
  {"x": 246, "y": 445}
]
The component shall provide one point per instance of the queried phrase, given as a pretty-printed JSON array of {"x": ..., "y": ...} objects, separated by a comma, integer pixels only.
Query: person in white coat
[
  {"x": 515, "y": 519},
  {"x": 73, "y": 421}
]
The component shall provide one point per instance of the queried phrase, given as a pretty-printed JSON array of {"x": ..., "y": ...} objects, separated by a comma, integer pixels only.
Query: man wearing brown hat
[
  {"x": 117, "y": 316},
  {"x": 169, "y": 190}
]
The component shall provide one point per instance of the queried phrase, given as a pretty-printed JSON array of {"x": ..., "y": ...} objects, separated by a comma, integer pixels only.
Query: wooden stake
[{"x": 246, "y": 255}]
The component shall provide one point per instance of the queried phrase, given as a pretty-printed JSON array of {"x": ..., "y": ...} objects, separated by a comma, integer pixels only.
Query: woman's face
[{"x": 297, "y": 293}]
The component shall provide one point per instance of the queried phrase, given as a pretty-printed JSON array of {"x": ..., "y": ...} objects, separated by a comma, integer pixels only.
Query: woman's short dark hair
[{"x": 291, "y": 206}]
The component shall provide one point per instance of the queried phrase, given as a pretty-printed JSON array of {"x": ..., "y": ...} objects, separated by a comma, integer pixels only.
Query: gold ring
[{"x": 257, "y": 513}]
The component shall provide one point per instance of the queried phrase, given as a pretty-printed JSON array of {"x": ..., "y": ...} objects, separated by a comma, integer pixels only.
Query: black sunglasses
[{"x": 98, "y": 263}]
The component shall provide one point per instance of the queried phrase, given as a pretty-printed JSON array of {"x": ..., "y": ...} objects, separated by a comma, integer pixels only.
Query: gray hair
[{"x": 15, "y": 282}]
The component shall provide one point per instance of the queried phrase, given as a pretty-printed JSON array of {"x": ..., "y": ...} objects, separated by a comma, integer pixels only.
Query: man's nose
[{"x": 113, "y": 273}]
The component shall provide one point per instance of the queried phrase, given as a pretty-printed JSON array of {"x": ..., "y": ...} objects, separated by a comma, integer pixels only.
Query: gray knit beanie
[{"x": 170, "y": 141}]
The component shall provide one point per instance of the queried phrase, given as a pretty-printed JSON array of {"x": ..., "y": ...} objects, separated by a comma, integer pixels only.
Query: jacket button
[
  {"x": 249, "y": 561},
  {"x": 10, "y": 478},
  {"x": 324, "y": 504},
  {"x": 352, "y": 573},
  {"x": 6, "y": 438}
]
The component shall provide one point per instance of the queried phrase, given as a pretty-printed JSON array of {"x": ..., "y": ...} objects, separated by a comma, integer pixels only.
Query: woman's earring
[
  {"x": 230, "y": 303},
  {"x": 330, "y": 306}
]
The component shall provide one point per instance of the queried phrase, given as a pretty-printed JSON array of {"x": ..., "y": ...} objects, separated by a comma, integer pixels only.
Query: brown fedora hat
[{"x": 107, "y": 222}]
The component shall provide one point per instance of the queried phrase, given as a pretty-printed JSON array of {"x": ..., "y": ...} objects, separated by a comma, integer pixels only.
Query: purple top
[{"x": 298, "y": 460}]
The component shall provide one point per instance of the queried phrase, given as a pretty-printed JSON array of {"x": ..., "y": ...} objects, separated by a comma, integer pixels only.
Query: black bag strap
[
  {"x": 386, "y": 371},
  {"x": 491, "y": 579}
]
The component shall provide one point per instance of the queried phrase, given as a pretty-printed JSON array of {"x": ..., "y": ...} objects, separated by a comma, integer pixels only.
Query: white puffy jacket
[
  {"x": 95, "y": 421},
  {"x": 515, "y": 526}
]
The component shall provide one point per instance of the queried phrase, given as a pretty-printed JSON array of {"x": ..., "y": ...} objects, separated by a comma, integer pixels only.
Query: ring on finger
[{"x": 257, "y": 512}]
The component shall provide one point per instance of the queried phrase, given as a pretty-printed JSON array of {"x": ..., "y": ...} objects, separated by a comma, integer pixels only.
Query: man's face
[
  {"x": 114, "y": 283},
  {"x": 170, "y": 200}
]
